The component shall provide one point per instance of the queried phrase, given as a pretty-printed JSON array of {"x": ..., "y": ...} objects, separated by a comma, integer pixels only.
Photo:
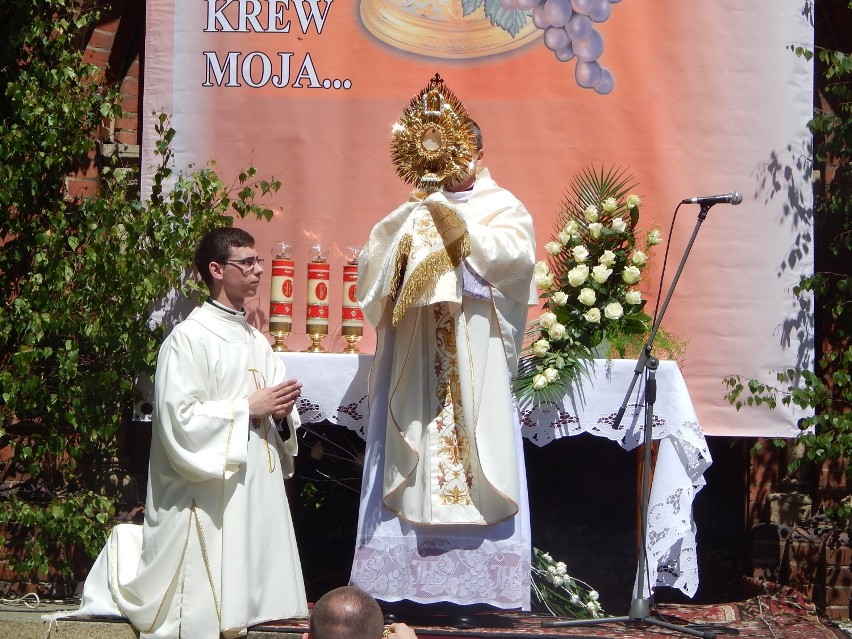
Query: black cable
[{"x": 665, "y": 261}]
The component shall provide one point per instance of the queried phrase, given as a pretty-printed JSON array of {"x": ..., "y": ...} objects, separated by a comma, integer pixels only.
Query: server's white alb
[{"x": 217, "y": 551}]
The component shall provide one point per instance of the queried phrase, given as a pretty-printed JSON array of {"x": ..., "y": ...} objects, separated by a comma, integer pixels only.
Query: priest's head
[
  {"x": 466, "y": 182},
  {"x": 346, "y": 613},
  {"x": 227, "y": 261}
]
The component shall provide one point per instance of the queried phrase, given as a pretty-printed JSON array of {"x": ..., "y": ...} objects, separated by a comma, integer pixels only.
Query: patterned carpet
[{"x": 778, "y": 613}]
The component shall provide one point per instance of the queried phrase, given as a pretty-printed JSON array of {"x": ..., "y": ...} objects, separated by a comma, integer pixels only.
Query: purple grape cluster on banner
[{"x": 569, "y": 31}]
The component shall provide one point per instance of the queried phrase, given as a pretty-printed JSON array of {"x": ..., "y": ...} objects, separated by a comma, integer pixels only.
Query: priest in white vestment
[
  {"x": 216, "y": 553},
  {"x": 446, "y": 279}
]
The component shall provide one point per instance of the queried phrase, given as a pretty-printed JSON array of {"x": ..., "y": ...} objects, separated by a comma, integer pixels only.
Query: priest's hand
[
  {"x": 277, "y": 400},
  {"x": 399, "y": 631},
  {"x": 448, "y": 218}
]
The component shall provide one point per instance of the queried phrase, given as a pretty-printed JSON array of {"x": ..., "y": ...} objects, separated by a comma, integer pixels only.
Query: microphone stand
[{"x": 640, "y": 606}]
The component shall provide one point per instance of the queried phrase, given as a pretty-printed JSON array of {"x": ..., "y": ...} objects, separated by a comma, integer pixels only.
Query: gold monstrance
[{"x": 433, "y": 144}]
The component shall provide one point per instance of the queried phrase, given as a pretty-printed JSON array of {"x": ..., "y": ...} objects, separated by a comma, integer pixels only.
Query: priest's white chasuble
[
  {"x": 216, "y": 553},
  {"x": 447, "y": 281}
]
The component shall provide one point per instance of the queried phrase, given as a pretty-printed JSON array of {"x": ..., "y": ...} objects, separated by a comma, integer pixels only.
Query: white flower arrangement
[
  {"x": 588, "y": 283},
  {"x": 559, "y": 593}
]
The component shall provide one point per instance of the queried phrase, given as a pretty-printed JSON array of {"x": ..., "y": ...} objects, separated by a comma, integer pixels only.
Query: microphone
[{"x": 709, "y": 200}]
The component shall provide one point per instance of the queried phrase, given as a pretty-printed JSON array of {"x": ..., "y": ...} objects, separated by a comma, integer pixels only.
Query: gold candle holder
[
  {"x": 281, "y": 295},
  {"x": 352, "y": 324},
  {"x": 352, "y": 344},
  {"x": 316, "y": 319}
]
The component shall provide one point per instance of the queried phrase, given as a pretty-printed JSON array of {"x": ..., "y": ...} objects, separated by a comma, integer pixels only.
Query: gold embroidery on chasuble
[
  {"x": 452, "y": 471},
  {"x": 425, "y": 255}
]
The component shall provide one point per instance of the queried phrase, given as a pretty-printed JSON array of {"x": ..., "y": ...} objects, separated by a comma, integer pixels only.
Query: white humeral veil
[
  {"x": 444, "y": 513},
  {"x": 217, "y": 552}
]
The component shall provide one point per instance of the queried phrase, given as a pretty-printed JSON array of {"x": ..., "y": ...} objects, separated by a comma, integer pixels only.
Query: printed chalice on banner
[{"x": 447, "y": 28}]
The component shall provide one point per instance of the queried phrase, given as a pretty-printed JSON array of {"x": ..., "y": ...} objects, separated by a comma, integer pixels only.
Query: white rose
[
  {"x": 631, "y": 275},
  {"x": 554, "y": 248},
  {"x": 608, "y": 258},
  {"x": 557, "y": 331},
  {"x": 575, "y": 597},
  {"x": 618, "y": 225},
  {"x": 633, "y": 201},
  {"x": 541, "y": 267},
  {"x": 551, "y": 374},
  {"x": 539, "y": 381},
  {"x": 613, "y": 310},
  {"x": 559, "y": 298},
  {"x": 540, "y": 347},
  {"x": 578, "y": 275},
  {"x": 565, "y": 237},
  {"x": 558, "y": 581},
  {"x": 587, "y": 296},
  {"x": 609, "y": 204},
  {"x": 546, "y": 320},
  {"x": 572, "y": 228},
  {"x": 593, "y": 595},
  {"x": 543, "y": 281},
  {"x": 593, "y": 315},
  {"x": 654, "y": 237},
  {"x": 595, "y": 229},
  {"x": 580, "y": 253},
  {"x": 591, "y": 213},
  {"x": 601, "y": 273},
  {"x": 639, "y": 258},
  {"x": 633, "y": 297}
]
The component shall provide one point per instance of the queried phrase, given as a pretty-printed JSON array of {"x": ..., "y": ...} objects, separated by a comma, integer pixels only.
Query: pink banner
[{"x": 695, "y": 98}]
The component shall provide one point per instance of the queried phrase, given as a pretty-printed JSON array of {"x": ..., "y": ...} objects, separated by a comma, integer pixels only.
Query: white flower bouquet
[
  {"x": 559, "y": 593},
  {"x": 589, "y": 283}
]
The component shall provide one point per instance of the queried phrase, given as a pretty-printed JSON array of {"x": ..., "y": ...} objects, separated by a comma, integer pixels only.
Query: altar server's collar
[{"x": 222, "y": 307}]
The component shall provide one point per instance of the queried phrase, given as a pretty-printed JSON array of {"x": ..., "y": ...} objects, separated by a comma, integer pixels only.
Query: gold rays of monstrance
[{"x": 432, "y": 141}]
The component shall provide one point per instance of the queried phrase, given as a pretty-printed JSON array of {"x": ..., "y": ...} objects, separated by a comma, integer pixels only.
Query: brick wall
[
  {"x": 116, "y": 45},
  {"x": 791, "y": 541}
]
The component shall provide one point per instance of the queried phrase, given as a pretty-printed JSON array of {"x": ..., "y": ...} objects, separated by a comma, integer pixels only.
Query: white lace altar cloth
[{"x": 335, "y": 390}]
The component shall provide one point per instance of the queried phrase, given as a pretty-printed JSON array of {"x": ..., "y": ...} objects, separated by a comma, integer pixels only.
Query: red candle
[
  {"x": 353, "y": 318},
  {"x": 318, "y": 279},
  {"x": 281, "y": 295}
]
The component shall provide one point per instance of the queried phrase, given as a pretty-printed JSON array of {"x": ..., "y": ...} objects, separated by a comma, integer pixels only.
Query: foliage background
[
  {"x": 826, "y": 391},
  {"x": 78, "y": 276}
]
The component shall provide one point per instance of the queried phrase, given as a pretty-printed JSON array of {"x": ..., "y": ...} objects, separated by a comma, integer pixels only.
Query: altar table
[{"x": 334, "y": 389}]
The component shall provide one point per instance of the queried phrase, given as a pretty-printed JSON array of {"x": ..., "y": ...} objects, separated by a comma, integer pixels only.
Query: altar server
[{"x": 216, "y": 553}]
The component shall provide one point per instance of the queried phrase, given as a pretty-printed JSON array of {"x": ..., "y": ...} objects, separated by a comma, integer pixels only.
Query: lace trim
[{"x": 432, "y": 571}]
